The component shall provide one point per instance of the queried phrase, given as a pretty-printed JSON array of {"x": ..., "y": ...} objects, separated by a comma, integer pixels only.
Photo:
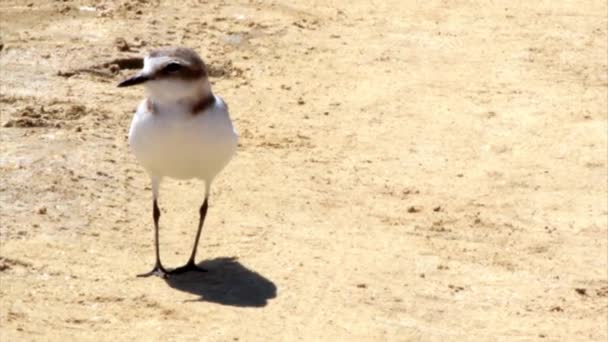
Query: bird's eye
[{"x": 172, "y": 67}]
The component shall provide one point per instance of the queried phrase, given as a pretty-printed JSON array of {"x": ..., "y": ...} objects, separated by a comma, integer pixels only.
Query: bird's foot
[
  {"x": 158, "y": 271},
  {"x": 189, "y": 267}
]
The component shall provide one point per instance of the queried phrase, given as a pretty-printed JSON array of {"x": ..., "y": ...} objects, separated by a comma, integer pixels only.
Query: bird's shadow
[{"x": 227, "y": 282}]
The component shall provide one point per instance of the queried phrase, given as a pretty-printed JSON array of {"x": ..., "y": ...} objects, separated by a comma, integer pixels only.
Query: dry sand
[{"x": 407, "y": 171}]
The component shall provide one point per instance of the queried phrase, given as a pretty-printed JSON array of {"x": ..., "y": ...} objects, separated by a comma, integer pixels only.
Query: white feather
[{"x": 173, "y": 142}]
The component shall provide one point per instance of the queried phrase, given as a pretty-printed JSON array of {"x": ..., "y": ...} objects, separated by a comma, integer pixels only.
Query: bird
[{"x": 181, "y": 130}]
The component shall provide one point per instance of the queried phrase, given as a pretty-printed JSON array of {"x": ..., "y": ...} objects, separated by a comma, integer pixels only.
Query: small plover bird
[{"x": 181, "y": 131}]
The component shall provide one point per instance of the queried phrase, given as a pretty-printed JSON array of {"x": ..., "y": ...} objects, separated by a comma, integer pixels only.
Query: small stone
[
  {"x": 42, "y": 211},
  {"x": 414, "y": 209},
  {"x": 121, "y": 44},
  {"x": 114, "y": 68}
]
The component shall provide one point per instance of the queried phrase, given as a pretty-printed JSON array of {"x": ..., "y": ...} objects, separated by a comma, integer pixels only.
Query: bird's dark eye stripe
[{"x": 172, "y": 67}]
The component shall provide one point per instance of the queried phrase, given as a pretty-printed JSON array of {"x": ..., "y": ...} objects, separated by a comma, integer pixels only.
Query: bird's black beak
[{"x": 137, "y": 79}]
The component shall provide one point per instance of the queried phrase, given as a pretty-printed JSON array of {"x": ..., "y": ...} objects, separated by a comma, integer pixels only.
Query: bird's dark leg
[
  {"x": 190, "y": 265},
  {"x": 158, "y": 269}
]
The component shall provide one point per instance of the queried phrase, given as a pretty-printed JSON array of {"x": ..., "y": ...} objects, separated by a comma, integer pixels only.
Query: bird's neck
[{"x": 193, "y": 98}]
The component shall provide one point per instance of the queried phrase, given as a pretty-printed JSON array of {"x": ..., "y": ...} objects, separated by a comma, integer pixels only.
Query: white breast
[{"x": 171, "y": 142}]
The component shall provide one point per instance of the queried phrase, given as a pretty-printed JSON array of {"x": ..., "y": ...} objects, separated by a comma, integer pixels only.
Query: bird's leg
[
  {"x": 158, "y": 269},
  {"x": 190, "y": 265}
]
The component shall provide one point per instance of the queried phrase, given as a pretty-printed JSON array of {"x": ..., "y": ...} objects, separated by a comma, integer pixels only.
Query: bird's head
[{"x": 172, "y": 75}]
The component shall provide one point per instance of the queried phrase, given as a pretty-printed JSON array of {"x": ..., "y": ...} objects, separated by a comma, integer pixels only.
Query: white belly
[{"x": 182, "y": 145}]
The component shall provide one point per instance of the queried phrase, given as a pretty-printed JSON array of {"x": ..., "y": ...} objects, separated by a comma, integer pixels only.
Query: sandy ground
[{"x": 407, "y": 171}]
